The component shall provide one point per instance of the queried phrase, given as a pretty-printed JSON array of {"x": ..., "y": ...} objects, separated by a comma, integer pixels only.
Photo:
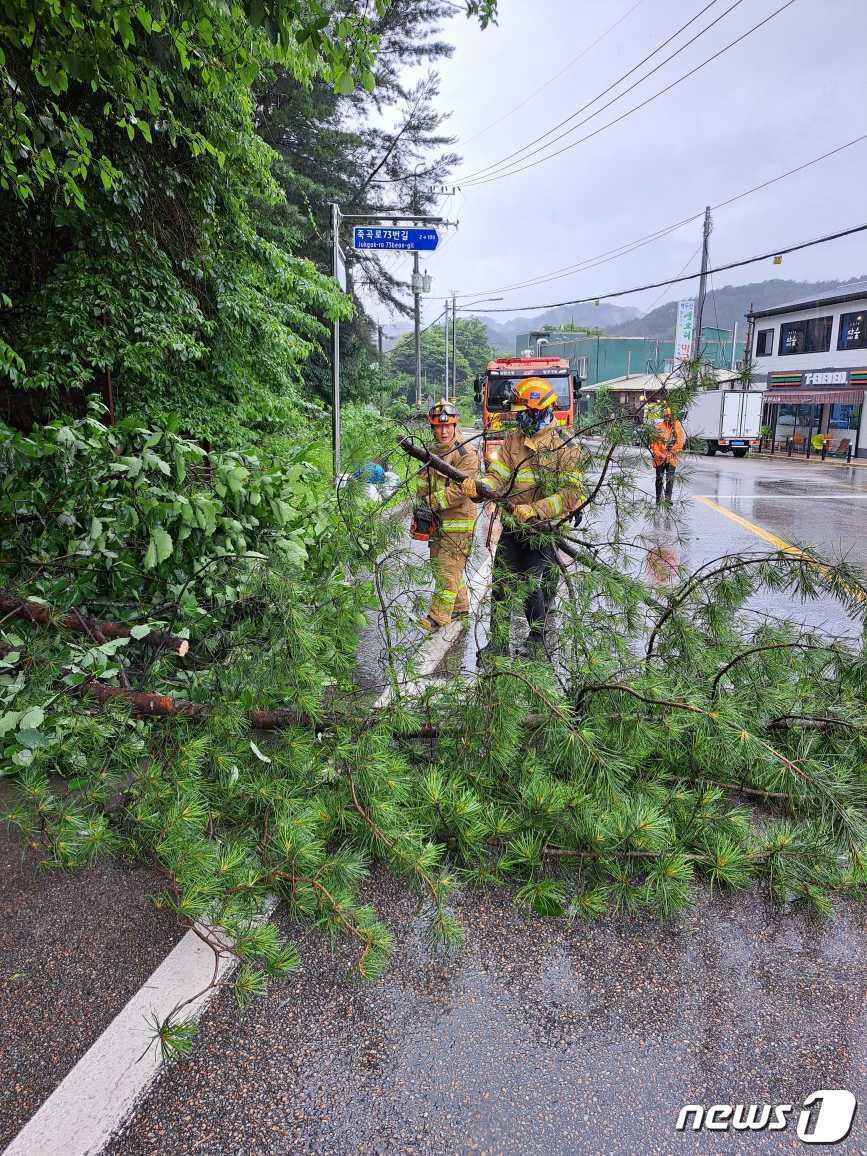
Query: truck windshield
[{"x": 500, "y": 389}]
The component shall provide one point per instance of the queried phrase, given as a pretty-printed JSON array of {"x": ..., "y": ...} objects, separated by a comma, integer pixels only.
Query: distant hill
[
  {"x": 726, "y": 306},
  {"x": 502, "y": 332}
]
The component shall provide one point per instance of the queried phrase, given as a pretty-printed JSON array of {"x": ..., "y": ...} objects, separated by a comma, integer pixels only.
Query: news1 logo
[{"x": 825, "y": 1117}]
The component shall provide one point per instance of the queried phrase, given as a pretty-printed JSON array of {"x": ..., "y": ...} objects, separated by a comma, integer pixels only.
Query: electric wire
[
  {"x": 683, "y": 267},
  {"x": 549, "y": 82},
  {"x": 535, "y": 307},
  {"x": 630, "y": 246},
  {"x": 636, "y": 108},
  {"x": 505, "y": 161}
]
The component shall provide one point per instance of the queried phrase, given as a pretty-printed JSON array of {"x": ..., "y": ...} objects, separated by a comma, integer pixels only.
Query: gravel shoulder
[{"x": 74, "y": 946}]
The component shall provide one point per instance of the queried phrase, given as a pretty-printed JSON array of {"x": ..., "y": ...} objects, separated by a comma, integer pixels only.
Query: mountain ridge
[{"x": 723, "y": 307}]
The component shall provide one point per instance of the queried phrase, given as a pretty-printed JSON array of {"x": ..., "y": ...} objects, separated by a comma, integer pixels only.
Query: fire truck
[{"x": 493, "y": 390}]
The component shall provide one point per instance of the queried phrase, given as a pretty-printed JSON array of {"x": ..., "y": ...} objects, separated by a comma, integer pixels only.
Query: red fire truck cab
[{"x": 493, "y": 390}]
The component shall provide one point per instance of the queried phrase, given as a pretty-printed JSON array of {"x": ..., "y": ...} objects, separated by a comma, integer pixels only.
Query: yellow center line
[
  {"x": 759, "y": 531},
  {"x": 773, "y": 540}
]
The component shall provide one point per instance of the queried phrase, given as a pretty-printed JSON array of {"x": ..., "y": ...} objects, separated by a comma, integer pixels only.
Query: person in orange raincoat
[{"x": 665, "y": 445}]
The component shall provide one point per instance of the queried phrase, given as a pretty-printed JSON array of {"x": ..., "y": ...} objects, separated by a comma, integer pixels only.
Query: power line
[
  {"x": 630, "y": 246},
  {"x": 589, "y": 262},
  {"x": 791, "y": 172},
  {"x": 504, "y": 161},
  {"x": 556, "y": 76},
  {"x": 676, "y": 280},
  {"x": 685, "y": 265},
  {"x": 635, "y": 108}
]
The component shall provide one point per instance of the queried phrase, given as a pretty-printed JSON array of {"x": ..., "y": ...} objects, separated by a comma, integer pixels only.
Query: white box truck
[{"x": 729, "y": 421}]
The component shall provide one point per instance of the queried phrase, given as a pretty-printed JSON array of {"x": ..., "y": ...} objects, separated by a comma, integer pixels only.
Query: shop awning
[{"x": 814, "y": 396}]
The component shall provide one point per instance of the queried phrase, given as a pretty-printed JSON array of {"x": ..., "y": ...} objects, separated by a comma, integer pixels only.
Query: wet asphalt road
[
  {"x": 819, "y": 507},
  {"x": 805, "y": 504},
  {"x": 538, "y": 1038},
  {"x": 74, "y": 946}
]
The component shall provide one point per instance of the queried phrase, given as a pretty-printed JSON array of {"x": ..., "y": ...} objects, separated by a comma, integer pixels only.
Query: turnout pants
[
  {"x": 665, "y": 473},
  {"x": 522, "y": 562},
  {"x": 449, "y": 552}
]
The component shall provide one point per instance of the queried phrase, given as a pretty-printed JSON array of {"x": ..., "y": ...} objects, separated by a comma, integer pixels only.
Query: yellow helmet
[{"x": 533, "y": 393}]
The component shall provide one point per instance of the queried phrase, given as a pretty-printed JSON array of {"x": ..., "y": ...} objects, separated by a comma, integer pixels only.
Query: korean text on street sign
[
  {"x": 406, "y": 239},
  {"x": 683, "y": 334}
]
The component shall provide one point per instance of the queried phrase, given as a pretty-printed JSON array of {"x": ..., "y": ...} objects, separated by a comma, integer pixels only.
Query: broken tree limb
[
  {"x": 443, "y": 467},
  {"x": 150, "y": 705},
  {"x": 11, "y": 606}
]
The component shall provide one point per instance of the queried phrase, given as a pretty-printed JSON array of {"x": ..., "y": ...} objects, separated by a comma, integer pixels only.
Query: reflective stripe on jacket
[
  {"x": 457, "y": 513},
  {"x": 545, "y": 471}
]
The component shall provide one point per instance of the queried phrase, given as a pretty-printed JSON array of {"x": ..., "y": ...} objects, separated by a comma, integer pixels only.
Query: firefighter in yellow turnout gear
[
  {"x": 452, "y": 540},
  {"x": 539, "y": 476}
]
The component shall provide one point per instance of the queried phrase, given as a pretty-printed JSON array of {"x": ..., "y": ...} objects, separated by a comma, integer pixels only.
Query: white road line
[
  {"x": 430, "y": 654},
  {"x": 433, "y": 650},
  {"x": 101, "y": 1091},
  {"x": 776, "y": 497}
]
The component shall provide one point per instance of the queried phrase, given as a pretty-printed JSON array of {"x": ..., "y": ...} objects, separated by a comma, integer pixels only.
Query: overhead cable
[
  {"x": 551, "y": 80},
  {"x": 503, "y": 162},
  {"x": 636, "y": 108},
  {"x": 535, "y": 307},
  {"x": 630, "y": 246}
]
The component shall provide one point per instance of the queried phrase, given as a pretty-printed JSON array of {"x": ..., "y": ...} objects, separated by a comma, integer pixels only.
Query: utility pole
[
  {"x": 748, "y": 343},
  {"x": 454, "y": 346},
  {"x": 446, "y": 375},
  {"x": 702, "y": 284}
]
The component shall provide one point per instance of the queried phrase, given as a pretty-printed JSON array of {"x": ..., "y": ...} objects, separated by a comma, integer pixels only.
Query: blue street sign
[{"x": 395, "y": 238}]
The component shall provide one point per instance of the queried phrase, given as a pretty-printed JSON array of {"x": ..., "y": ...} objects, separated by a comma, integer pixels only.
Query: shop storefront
[
  {"x": 811, "y": 356},
  {"x": 815, "y": 412}
]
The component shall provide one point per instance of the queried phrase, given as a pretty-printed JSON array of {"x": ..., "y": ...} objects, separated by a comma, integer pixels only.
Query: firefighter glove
[
  {"x": 469, "y": 488},
  {"x": 524, "y": 512}
]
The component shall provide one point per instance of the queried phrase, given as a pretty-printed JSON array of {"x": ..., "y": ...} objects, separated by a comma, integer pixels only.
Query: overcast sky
[{"x": 794, "y": 89}]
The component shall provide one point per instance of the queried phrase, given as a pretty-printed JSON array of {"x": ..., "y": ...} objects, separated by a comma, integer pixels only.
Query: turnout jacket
[
  {"x": 457, "y": 513},
  {"x": 545, "y": 471}
]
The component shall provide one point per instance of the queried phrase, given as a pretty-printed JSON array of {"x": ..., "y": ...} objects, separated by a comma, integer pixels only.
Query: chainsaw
[{"x": 424, "y": 524}]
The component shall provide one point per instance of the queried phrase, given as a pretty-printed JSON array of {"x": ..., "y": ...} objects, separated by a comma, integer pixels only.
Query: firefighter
[
  {"x": 539, "y": 479},
  {"x": 449, "y": 518},
  {"x": 665, "y": 445}
]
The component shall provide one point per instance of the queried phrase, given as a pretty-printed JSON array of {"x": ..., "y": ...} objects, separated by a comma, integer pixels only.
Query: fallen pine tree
[{"x": 671, "y": 742}]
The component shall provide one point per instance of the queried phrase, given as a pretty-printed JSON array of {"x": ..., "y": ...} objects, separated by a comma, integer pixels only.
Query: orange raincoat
[{"x": 668, "y": 443}]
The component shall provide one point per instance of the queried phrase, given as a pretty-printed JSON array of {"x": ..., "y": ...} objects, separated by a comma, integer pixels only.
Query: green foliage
[
  {"x": 669, "y": 742},
  {"x": 642, "y": 763},
  {"x": 134, "y": 65},
  {"x": 473, "y": 352},
  {"x": 135, "y": 264},
  {"x": 127, "y": 507}
]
